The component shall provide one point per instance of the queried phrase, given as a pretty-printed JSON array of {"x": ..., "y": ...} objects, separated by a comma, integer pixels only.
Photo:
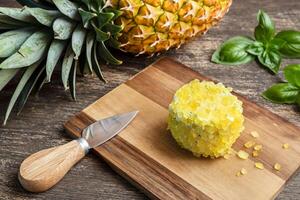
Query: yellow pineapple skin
[
  {"x": 205, "y": 118},
  {"x": 151, "y": 26}
]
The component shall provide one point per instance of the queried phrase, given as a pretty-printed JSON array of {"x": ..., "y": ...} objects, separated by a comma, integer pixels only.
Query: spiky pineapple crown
[{"x": 35, "y": 37}]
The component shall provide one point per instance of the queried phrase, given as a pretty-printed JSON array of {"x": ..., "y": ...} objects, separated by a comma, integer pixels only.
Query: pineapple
[
  {"x": 205, "y": 118},
  {"x": 77, "y": 35}
]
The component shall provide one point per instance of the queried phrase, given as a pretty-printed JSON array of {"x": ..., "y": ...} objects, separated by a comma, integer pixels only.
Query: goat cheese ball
[{"x": 205, "y": 118}]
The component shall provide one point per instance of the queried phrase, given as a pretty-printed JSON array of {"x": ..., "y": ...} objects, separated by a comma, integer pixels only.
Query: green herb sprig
[
  {"x": 268, "y": 48},
  {"x": 287, "y": 92}
]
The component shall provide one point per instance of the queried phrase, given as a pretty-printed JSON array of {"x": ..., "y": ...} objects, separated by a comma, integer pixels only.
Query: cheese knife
[{"x": 44, "y": 169}]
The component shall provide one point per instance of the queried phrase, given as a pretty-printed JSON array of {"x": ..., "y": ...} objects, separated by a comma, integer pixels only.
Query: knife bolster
[{"x": 84, "y": 144}]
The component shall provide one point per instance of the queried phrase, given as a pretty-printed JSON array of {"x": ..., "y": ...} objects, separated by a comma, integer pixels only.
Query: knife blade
[
  {"x": 42, "y": 170},
  {"x": 105, "y": 129}
]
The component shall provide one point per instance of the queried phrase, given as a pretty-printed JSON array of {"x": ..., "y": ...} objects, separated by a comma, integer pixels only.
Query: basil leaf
[
  {"x": 292, "y": 74},
  {"x": 282, "y": 93},
  {"x": 265, "y": 30},
  {"x": 271, "y": 60},
  {"x": 233, "y": 52},
  {"x": 276, "y": 44},
  {"x": 291, "y": 48},
  {"x": 256, "y": 49}
]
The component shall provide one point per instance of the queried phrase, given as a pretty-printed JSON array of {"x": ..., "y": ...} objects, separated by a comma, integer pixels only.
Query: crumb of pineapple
[
  {"x": 243, "y": 155},
  {"x": 259, "y": 165},
  {"x": 254, "y": 134},
  {"x": 285, "y": 146},
  {"x": 242, "y": 172},
  {"x": 249, "y": 144},
  {"x": 277, "y": 167},
  {"x": 258, "y": 147},
  {"x": 255, "y": 153}
]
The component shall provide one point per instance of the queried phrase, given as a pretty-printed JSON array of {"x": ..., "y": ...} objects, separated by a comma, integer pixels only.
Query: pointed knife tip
[{"x": 135, "y": 112}]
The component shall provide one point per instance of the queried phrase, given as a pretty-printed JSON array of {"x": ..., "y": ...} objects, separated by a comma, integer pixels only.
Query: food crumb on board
[
  {"x": 285, "y": 146},
  {"x": 249, "y": 144},
  {"x": 277, "y": 166},
  {"x": 255, "y": 153},
  {"x": 243, "y": 155},
  {"x": 259, "y": 165},
  {"x": 254, "y": 134},
  {"x": 242, "y": 172},
  {"x": 258, "y": 147}
]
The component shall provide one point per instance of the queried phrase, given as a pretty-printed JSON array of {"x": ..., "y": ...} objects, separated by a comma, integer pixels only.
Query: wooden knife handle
[{"x": 44, "y": 169}]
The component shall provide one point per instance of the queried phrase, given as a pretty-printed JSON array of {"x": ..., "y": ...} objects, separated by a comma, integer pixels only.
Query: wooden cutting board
[{"x": 146, "y": 154}]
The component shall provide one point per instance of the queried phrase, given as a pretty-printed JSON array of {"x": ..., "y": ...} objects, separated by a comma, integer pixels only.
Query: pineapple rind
[
  {"x": 177, "y": 20},
  {"x": 205, "y": 118}
]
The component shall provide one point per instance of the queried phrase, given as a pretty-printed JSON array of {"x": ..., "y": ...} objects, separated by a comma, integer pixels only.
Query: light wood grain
[
  {"x": 39, "y": 126},
  {"x": 42, "y": 170},
  {"x": 150, "y": 92}
]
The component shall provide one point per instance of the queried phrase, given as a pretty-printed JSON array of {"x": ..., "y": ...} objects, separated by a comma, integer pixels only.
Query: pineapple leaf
[
  {"x": 88, "y": 3},
  {"x": 96, "y": 65},
  {"x": 86, "y": 17},
  {"x": 39, "y": 84},
  {"x": 27, "y": 74},
  {"x": 8, "y": 20},
  {"x": 72, "y": 80},
  {"x": 112, "y": 42},
  {"x": 45, "y": 17},
  {"x": 112, "y": 28},
  {"x": 63, "y": 28},
  {"x": 68, "y": 8},
  {"x": 90, "y": 39},
  {"x": 66, "y": 66},
  {"x": 18, "y": 13},
  {"x": 6, "y": 75},
  {"x": 72, "y": 22},
  {"x": 78, "y": 38},
  {"x": 82, "y": 62},
  {"x": 85, "y": 69},
  {"x": 31, "y": 51},
  {"x": 100, "y": 35},
  {"x": 117, "y": 13},
  {"x": 5, "y": 27},
  {"x": 32, "y": 3},
  {"x": 22, "y": 99},
  {"x": 104, "y": 18},
  {"x": 11, "y": 41},
  {"x": 54, "y": 53},
  {"x": 107, "y": 56}
]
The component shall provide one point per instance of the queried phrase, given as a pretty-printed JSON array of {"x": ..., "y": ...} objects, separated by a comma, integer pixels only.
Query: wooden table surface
[{"x": 40, "y": 125}]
